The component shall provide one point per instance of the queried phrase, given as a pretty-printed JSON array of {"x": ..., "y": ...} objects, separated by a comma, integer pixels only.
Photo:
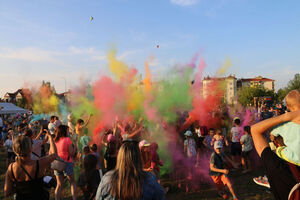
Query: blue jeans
[{"x": 68, "y": 171}]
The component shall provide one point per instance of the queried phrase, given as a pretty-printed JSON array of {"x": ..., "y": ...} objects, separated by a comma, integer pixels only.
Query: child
[
  {"x": 219, "y": 137},
  {"x": 208, "y": 139},
  {"x": 190, "y": 151},
  {"x": 235, "y": 133},
  {"x": 218, "y": 172},
  {"x": 246, "y": 142},
  {"x": 86, "y": 150},
  {"x": 93, "y": 149},
  {"x": 90, "y": 178},
  {"x": 83, "y": 141},
  {"x": 190, "y": 145}
]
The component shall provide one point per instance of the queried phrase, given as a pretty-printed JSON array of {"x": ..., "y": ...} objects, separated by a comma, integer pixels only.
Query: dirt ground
[{"x": 245, "y": 188}]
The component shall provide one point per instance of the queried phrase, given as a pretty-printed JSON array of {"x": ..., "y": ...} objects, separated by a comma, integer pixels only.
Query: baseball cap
[
  {"x": 218, "y": 145},
  {"x": 188, "y": 133}
]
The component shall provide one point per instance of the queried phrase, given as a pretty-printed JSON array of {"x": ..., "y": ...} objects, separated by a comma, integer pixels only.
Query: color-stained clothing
[
  {"x": 83, "y": 141},
  {"x": 190, "y": 145},
  {"x": 236, "y": 133},
  {"x": 290, "y": 132}
]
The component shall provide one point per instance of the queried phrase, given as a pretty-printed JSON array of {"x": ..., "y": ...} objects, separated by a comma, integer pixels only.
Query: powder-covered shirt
[
  {"x": 190, "y": 145},
  {"x": 290, "y": 132},
  {"x": 152, "y": 190},
  {"x": 63, "y": 148},
  {"x": 236, "y": 133},
  {"x": 83, "y": 141},
  {"x": 247, "y": 143}
]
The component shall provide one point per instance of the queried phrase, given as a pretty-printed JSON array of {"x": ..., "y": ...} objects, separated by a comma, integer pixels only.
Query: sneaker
[{"x": 263, "y": 181}]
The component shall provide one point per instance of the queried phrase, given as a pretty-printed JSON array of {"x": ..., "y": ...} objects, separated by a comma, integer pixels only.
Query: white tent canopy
[{"x": 9, "y": 108}]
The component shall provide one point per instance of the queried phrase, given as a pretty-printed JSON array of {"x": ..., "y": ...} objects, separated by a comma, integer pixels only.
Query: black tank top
[{"x": 32, "y": 189}]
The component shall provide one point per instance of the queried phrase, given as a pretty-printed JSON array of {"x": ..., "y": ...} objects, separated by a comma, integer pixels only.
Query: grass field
[{"x": 245, "y": 188}]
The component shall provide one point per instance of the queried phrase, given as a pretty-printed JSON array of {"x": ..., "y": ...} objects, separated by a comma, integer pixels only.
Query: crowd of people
[{"x": 125, "y": 163}]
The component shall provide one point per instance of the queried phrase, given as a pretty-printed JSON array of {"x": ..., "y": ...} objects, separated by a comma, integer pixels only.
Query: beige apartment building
[
  {"x": 257, "y": 81},
  {"x": 231, "y": 85}
]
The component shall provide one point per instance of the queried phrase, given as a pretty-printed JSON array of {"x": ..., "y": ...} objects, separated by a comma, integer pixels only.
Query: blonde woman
[
  {"x": 25, "y": 176},
  {"x": 128, "y": 181}
]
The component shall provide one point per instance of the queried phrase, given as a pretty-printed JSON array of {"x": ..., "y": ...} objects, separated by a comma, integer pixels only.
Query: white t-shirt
[
  {"x": 236, "y": 132},
  {"x": 8, "y": 144},
  {"x": 37, "y": 149},
  {"x": 247, "y": 140},
  {"x": 198, "y": 132}
]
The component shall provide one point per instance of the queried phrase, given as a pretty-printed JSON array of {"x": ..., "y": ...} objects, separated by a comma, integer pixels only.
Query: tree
[
  {"x": 293, "y": 84},
  {"x": 246, "y": 94},
  {"x": 281, "y": 93}
]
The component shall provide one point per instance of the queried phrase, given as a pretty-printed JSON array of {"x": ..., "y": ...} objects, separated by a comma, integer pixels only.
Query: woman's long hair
[
  {"x": 22, "y": 147},
  {"x": 127, "y": 179},
  {"x": 61, "y": 131}
]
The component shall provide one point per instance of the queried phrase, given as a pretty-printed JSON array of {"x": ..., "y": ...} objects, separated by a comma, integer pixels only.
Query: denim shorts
[{"x": 67, "y": 172}]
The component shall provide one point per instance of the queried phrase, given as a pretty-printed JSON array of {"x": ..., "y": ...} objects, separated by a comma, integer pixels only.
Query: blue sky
[{"x": 54, "y": 39}]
